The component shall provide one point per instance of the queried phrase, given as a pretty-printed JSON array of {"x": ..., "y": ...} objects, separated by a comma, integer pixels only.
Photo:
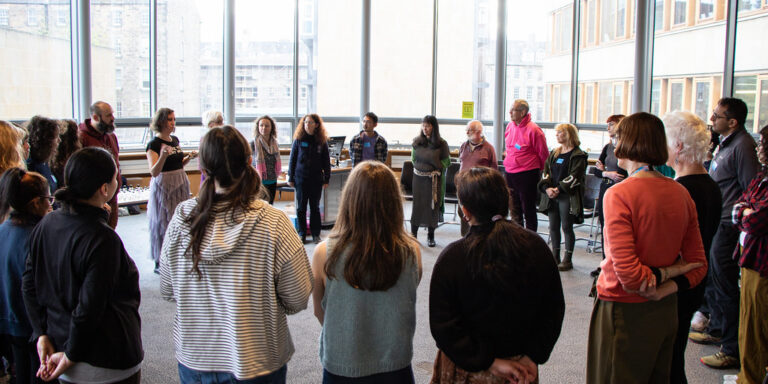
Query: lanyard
[{"x": 643, "y": 168}]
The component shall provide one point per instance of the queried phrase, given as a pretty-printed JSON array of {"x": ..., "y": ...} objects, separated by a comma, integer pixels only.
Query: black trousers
[
  {"x": 271, "y": 190},
  {"x": 25, "y": 359},
  {"x": 308, "y": 191},
  {"x": 687, "y": 303},
  {"x": 723, "y": 297},
  {"x": 522, "y": 188}
]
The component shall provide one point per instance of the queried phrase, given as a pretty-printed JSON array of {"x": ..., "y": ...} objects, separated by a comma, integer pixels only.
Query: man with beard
[{"x": 98, "y": 131}]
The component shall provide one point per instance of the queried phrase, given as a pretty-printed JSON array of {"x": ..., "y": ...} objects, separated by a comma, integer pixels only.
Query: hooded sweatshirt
[
  {"x": 255, "y": 271},
  {"x": 526, "y": 146}
]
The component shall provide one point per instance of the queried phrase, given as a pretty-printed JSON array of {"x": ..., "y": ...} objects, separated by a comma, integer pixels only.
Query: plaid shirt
[
  {"x": 356, "y": 148},
  {"x": 753, "y": 253}
]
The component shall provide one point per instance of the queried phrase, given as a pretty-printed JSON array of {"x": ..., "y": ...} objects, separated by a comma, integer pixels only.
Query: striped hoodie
[{"x": 255, "y": 271}]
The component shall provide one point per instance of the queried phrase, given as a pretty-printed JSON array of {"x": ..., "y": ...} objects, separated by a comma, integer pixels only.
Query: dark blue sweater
[
  {"x": 14, "y": 248},
  {"x": 309, "y": 161}
]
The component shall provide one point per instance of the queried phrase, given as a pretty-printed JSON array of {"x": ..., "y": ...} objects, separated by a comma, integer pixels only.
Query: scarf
[{"x": 261, "y": 146}]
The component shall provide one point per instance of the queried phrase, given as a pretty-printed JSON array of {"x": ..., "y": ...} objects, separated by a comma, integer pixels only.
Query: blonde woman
[
  {"x": 11, "y": 151},
  {"x": 562, "y": 184}
]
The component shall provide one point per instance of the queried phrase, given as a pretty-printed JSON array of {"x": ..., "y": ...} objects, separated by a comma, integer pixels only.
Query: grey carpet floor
[{"x": 566, "y": 365}]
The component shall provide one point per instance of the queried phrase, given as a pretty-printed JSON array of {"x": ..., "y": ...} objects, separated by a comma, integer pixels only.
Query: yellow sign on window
[{"x": 467, "y": 109}]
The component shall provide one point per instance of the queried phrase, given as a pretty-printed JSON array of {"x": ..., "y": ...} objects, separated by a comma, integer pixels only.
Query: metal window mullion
[
  {"x": 296, "y": 59},
  {"x": 83, "y": 15},
  {"x": 365, "y": 58},
  {"x": 730, "y": 47},
  {"x": 643, "y": 74},
  {"x": 229, "y": 61},
  {"x": 434, "y": 57},
  {"x": 500, "y": 76},
  {"x": 153, "y": 56},
  {"x": 575, "y": 41}
]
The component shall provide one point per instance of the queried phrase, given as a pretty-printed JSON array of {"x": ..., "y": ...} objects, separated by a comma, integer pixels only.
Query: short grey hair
[
  {"x": 523, "y": 103},
  {"x": 685, "y": 128},
  {"x": 475, "y": 123},
  {"x": 213, "y": 118}
]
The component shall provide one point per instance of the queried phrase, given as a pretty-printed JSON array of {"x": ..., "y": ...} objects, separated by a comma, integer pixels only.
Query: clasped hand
[
  {"x": 516, "y": 370},
  {"x": 52, "y": 363}
]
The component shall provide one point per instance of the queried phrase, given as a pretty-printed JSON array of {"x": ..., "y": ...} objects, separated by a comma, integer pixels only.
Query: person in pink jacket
[{"x": 526, "y": 153}]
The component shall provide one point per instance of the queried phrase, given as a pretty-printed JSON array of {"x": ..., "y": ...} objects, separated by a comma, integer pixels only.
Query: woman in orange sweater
[{"x": 653, "y": 248}]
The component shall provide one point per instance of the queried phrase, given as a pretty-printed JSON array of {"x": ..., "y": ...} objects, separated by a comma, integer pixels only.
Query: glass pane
[
  {"x": 189, "y": 56},
  {"x": 618, "y": 96},
  {"x": 658, "y": 23},
  {"x": 692, "y": 55},
  {"x": 466, "y": 58},
  {"x": 745, "y": 88},
  {"x": 702, "y": 101},
  {"x": 120, "y": 57},
  {"x": 539, "y": 46},
  {"x": 675, "y": 97},
  {"x": 706, "y": 9},
  {"x": 33, "y": 84},
  {"x": 591, "y": 5},
  {"x": 264, "y": 57},
  {"x": 681, "y": 7},
  {"x": 605, "y": 99},
  {"x": 608, "y": 20},
  {"x": 331, "y": 54},
  {"x": 750, "y": 61},
  {"x": 401, "y": 135},
  {"x": 586, "y": 104},
  {"x": 401, "y": 58}
]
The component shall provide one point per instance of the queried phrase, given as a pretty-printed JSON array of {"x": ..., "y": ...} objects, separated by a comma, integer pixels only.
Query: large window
[
  {"x": 35, "y": 70},
  {"x": 123, "y": 46},
  {"x": 688, "y": 62},
  {"x": 264, "y": 57},
  {"x": 466, "y": 58},
  {"x": 330, "y": 85},
  {"x": 538, "y": 43},
  {"x": 751, "y": 63},
  {"x": 189, "y": 49},
  {"x": 401, "y": 58}
]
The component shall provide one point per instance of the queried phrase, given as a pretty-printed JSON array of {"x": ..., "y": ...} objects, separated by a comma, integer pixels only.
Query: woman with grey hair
[
  {"x": 213, "y": 119},
  {"x": 688, "y": 142}
]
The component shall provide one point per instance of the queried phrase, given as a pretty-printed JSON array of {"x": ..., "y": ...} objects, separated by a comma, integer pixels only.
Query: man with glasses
[
  {"x": 526, "y": 153},
  {"x": 734, "y": 165},
  {"x": 99, "y": 131},
  {"x": 368, "y": 145}
]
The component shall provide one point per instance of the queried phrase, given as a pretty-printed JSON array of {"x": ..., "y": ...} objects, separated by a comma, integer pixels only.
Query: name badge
[
  {"x": 517, "y": 146},
  {"x": 559, "y": 161},
  {"x": 304, "y": 144},
  {"x": 367, "y": 145}
]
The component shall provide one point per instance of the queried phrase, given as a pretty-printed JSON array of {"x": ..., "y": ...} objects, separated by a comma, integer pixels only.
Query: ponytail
[{"x": 18, "y": 188}]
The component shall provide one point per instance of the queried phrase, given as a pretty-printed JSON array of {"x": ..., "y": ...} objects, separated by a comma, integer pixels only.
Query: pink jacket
[{"x": 526, "y": 146}]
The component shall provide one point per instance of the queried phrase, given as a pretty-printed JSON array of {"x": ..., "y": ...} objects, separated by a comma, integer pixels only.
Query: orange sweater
[{"x": 648, "y": 223}]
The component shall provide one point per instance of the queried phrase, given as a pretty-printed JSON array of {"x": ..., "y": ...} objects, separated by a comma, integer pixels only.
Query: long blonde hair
[
  {"x": 11, "y": 147},
  {"x": 369, "y": 229}
]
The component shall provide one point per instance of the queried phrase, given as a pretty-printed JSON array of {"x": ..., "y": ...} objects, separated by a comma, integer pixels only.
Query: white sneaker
[{"x": 700, "y": 322}]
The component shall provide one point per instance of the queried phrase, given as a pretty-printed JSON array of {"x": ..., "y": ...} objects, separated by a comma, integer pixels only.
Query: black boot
[
  {"x": 566, "y": 265},
  {"x": 431, "y": 238},
  {"x": 414, "y": 230}
]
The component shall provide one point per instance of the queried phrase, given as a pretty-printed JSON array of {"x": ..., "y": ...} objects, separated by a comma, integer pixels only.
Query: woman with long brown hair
[
  {"x": 366, "y": 275},
  {"x": 235, "y": 268},
  {"x": 169, "y": 185},
  {"x": 68, "y": 144},
  {"x": 431, "y": 157},
  {"x": 43, "y": 140},
  {"x": 266, "y": 153},
  {"x": 495, "y": 299},
  {"x": 309, "y": 172}
]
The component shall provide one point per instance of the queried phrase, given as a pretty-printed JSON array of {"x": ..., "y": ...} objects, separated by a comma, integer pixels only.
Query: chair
[
  {"x": 406, "y": 180},
  {"x": 591, "y": 194},
  {"x": 450, "y": 187}
]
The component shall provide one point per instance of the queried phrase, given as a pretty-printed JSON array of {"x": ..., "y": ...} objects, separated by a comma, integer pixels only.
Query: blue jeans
[{"x": 191, "y": 376}]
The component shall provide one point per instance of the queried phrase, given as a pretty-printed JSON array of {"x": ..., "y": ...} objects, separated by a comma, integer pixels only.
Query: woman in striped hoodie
[{"x": 235, "y": 268}]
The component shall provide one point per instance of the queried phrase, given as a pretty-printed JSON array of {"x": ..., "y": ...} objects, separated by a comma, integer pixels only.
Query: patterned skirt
[{"x": 166, "y": 191}]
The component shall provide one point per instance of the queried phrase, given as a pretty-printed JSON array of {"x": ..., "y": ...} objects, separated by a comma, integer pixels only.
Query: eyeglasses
[{"x": 716, "y": 116}]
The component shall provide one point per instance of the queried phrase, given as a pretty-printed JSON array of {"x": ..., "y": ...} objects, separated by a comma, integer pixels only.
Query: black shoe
[
  {"x": 316, "y": 239},
  {"x": 595, "y": 273},
  {"x": 303, "y": 237},
  {"x": 431, "y": 242},
  {"x": 157, "y": 268}
]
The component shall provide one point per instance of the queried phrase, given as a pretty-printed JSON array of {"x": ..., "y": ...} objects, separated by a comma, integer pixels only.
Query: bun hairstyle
[
  {"x": 18, "y": 188},
  {"x": 499, "y": 248},
  {"x": 225, "y": 158},
  {"x": 86, "y": 171}
]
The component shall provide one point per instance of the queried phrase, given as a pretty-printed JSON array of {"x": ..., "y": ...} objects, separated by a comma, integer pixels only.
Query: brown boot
[{"x": 566, "y": 264}]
